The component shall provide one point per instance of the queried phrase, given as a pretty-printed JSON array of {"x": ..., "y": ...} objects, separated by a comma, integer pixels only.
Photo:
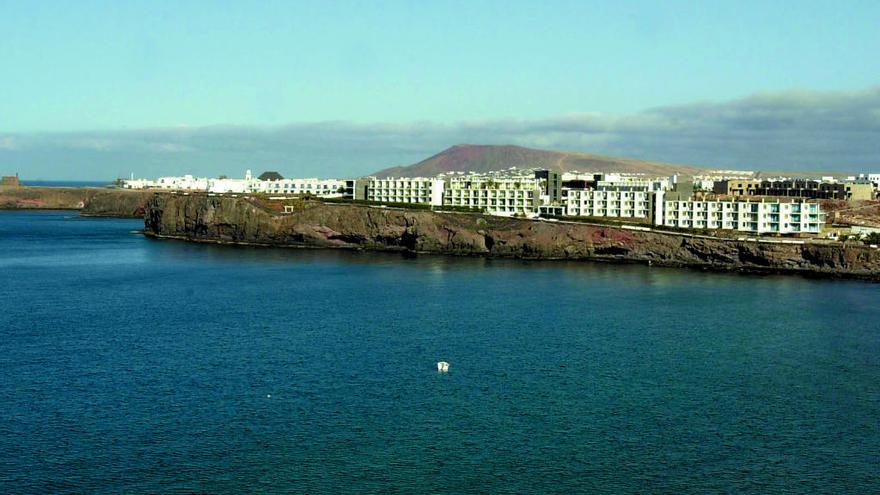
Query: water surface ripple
[{"x": 138, "y": 366}]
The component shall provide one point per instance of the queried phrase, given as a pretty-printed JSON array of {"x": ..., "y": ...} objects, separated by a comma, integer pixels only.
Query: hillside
[{"x": 486, "y": 158}]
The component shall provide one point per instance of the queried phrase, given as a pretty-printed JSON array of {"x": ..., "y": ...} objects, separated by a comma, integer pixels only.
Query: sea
[
  {"x": 55, "y": 183},
  {"x": 134, "y": 365}
]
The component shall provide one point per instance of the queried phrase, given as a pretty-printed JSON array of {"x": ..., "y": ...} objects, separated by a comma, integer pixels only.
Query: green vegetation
[
  {"x": 408, "y": 206},
  {"x": 872, "y": 238},
  {"x": 461, "y": 209},
  {"x": 405, "y": 206},
  {"x": 297, "y": 204},
  {"x": 616, "y": 221}
]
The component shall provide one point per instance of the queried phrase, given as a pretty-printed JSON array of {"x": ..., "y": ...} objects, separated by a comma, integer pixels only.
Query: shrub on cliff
[{"x": 872, "y": 238}]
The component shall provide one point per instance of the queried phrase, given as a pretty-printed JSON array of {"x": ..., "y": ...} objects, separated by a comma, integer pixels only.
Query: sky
[{"x": 96, "y": 90}]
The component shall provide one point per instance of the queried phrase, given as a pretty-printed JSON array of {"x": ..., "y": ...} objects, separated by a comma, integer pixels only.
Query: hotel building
[
  {"x": 404, "y": 190},
  {"x": 497, "y": 196},
  {"x": 622, "y": 201},
  {"x": 764, "y": 216}
]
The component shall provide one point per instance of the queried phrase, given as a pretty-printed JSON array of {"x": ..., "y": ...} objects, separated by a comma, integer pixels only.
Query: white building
[
  {"x": 872, "y": 178},
  {"x": 330, "y": 188},
  {"x": 636, "y": 181},
  {"x": 325, "y": 188},
  {"x": 610, "y": 180},
  {"x": 497, "y": 196},
  {"x": 184, "y": 183},
  {"x": 226, "y": 186},
  {"x": 406, "y": 190},
  {"x": 761, "y": 217},
  {"x": 187, "y": 183},
  {"x": 139, "y": 184},
  {"x": 628, "y": 202}
]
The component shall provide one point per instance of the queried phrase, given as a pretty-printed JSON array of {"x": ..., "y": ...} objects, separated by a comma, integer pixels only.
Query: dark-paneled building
[
  {"x": 554, "y": 184},
  {"x": 796, "y": 188}
]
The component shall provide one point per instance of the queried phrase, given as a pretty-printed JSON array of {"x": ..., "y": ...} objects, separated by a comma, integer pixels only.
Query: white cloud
[{"x": 803, "y": 130}]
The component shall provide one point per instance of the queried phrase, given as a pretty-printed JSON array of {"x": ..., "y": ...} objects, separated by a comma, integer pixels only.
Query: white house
[{"x": 184, "y": 183}]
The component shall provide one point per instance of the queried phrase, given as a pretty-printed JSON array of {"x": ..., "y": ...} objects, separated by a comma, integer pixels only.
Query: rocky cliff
[
  {"x": 117, "y": 203},
  {"x": 239, "y": 220},
  {"x": 90, "y": 201}
]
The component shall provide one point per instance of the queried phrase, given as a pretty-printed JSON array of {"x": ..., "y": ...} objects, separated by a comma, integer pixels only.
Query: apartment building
[
  {"x": 497, "y": 196},
  {"x": 768, "y": 216},
  {"x": 623, "y": 201},
  {"x": 327, "y": 188},
  {"x": 552, "y": 184},
  {"x": 607, "y": 180},
  {"x": 798, "y": 188},
  {"x": 405, "y": 190}
]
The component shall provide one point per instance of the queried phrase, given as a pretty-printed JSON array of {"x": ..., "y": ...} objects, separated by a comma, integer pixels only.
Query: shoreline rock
[
  {"x": 89, "y": 201},
  {"x": 239, "y": 221}
]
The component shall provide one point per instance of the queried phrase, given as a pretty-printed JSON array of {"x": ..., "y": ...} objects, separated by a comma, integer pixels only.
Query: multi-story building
[
  {"x": 497, "y": 196},
  {"x": 663, "y": 202},
  {"x": 707, "y": 182},
  {"x": 797, "y": 188},
  {"x": 405, "y": 190},
  {"x": 327, "y": 188},
  {"x": 625, "y": 202},
  {"x": 859, "y": 190},
  {"x": 767, "y": 216},
  {"x": 552, "y": 184},
  {"x": 184, "y": 183},
  {"x": 872, "y": 178},
  {"x": 595, "y": 181}
]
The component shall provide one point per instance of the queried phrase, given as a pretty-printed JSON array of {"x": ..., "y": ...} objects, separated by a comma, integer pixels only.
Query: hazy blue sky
[{"x": 95, "y": 89}]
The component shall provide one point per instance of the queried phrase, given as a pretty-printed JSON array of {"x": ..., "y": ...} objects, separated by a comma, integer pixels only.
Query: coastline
[
  {"x": 238, "y": 221},
  {"x": 743, "y": 270},
  {"x": 88, "y": 201}
]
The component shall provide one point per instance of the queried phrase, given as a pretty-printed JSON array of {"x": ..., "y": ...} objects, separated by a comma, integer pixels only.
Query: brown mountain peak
[{"x": 487, "y": 158}]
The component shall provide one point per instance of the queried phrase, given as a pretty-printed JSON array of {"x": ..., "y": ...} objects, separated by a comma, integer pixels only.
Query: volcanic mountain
[{"x": 487, "y": 158}]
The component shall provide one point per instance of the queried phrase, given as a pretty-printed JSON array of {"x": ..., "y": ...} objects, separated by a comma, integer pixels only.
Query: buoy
[
  {"x": 442, "y": 367},
  {"x": 268, "y": 396}
]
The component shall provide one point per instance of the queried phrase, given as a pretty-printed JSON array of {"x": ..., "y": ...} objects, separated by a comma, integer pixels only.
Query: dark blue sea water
[
  {"x": 57, "y": 183},
  {"x": 132, "y": 365}
]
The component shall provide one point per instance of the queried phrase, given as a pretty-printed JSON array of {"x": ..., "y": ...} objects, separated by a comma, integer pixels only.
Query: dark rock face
[
  {"x": 238, "y": 220},
  {"x": 116, "y": 203}
]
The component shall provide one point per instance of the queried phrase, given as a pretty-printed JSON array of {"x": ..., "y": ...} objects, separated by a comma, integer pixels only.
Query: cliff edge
[
  {"x": 241, "y": 221},
  {"x": 90, "y": 201}
]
